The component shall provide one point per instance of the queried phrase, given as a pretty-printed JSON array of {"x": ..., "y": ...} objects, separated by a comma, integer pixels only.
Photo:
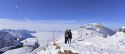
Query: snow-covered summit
[
  {"x": 97, "y": 27},
  {"x": 123, "y": 27}
]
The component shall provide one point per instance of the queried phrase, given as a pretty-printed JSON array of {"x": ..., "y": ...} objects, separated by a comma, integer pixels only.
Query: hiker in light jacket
[{"x": 69, "y": 36}]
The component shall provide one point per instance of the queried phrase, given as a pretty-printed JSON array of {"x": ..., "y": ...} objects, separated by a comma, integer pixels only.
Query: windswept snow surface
[
  {"x": 23, "y": 50},
  {"x": 29, "y": 45},
  {"x": 90, "y": 43}
]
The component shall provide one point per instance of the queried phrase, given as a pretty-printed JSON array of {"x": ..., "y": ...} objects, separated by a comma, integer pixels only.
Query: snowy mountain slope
[
  {"x": 90, "y": 30},
  {"x": 7, "y": 39},
  {"x": 102, "y": 29},
  {"x": 44, "y": 38},
  {"x": 10, "y": 39},
  {"x": 95, "y": 44},
  {"x": 29, "y": 45}
]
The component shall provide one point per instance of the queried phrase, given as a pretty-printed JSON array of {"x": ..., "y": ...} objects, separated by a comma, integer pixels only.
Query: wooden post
[{"x": 53, "y": 38}]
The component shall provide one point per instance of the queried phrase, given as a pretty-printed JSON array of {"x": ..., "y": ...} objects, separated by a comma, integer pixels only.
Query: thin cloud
[
  {"x": 18, "y": 9},
  {"x": 21, "y": 12},
  {"x": 27, "y": 19},
  {"x": 16, "y": 6}
]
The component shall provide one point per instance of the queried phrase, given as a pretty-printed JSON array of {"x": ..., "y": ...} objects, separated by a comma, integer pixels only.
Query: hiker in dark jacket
[
  {"x": 69, "y": 36},
  {"x": 66, "y": 36}
]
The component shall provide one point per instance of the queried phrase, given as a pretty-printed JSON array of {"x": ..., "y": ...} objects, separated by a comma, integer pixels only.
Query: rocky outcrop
[{"x": 66, "y": 52}]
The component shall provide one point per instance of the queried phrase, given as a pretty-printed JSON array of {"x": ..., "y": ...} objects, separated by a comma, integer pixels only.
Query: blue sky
[{"x": 108, "y": 12}]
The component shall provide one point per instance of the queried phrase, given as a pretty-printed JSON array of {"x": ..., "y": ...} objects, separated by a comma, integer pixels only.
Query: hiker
[
  {"x": 69, "y": 36},
  {"x": 66, "y": 36}
]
